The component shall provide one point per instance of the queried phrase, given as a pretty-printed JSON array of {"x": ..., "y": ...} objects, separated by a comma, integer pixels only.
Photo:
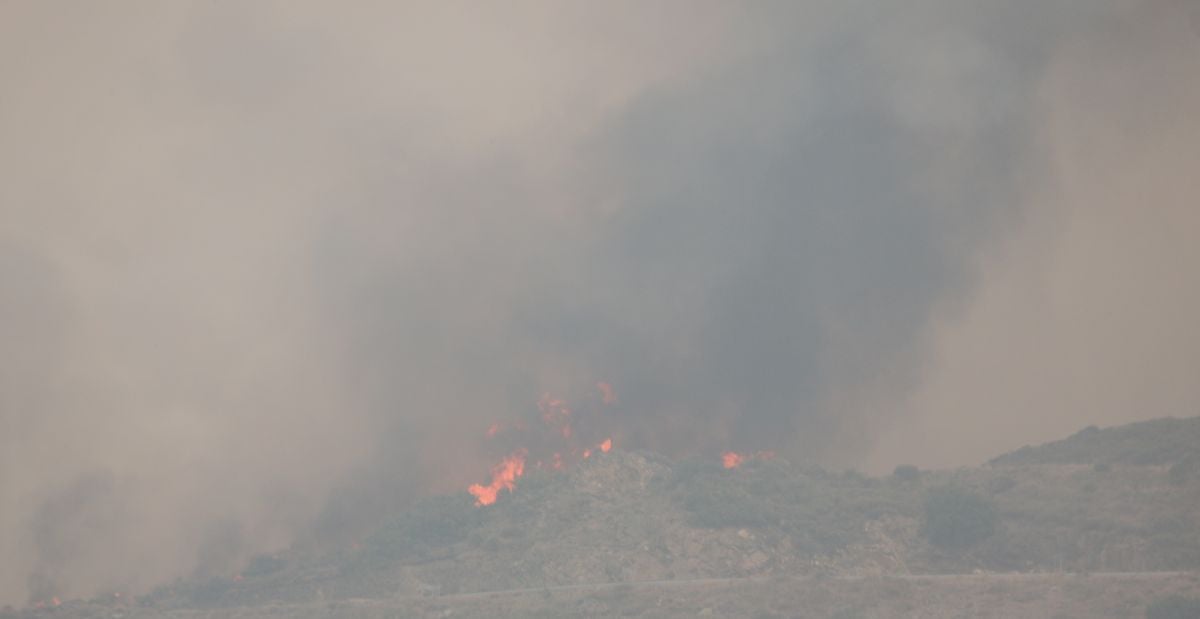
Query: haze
[{"x": 265, "y": 262}]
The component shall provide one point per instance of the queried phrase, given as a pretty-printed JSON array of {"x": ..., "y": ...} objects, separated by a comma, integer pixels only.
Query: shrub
[
  {"x": 720, "y": 506},
  {"x": 262, "y": 565},
  {"x": 906, "y": 473},
  {"x": 996, "y": 485},
  {"x": 1173, "y": 543},
  {"x": 210, "y": 593},
  {"x": 1184, "y": 470},
  {"x": 430, "y": 525},
  {"x": 1174, "y": 607},
  {"x": 958, "y": 518}
]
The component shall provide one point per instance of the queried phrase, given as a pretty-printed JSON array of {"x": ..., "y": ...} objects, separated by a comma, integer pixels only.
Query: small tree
[{"x": 958, "y": 518}]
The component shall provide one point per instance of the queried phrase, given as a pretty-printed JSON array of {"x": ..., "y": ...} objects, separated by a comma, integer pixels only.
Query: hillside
[
  {"x": 1155, "y": 442},
  {"x": 628, "y": 532}
]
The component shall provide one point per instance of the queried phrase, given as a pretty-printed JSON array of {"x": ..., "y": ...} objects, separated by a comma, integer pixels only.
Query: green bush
[
  {"x": 720, "y": 506},
  {"x": 421, "y": 531},
  {"x": 958, "y": 518},
  {"x": 906, "y": 473},
  {"x": 210, "y": 593},
  {"x": 1004, "y": 483},
  {"x": 1173, "y": 543},
  {"x": 261, "y": 565},
  {"x": 1174, "y": 607},
  {"x": 1186, "y": 469}
]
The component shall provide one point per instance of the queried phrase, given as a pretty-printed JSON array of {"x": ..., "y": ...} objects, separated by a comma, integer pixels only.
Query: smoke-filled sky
[{"x": 267, "y": 267}]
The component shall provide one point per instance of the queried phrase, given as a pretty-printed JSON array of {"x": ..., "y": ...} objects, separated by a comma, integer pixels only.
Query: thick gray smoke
[{"x": 271, "y": 268}]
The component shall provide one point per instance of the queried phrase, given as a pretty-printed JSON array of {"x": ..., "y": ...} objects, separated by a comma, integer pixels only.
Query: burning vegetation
[
  {"x": 504, "y": 477},
  {"x": 731, "y": 460},
  {"x": 553, "y": 443},
  {"x": 655, "y": 519}
]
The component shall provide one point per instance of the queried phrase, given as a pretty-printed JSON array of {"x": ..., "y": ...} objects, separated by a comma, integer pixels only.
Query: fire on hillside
[{"x": 559, "y": 445}]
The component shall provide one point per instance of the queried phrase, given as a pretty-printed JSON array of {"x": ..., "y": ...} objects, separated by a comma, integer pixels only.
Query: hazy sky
[{"x": 254, "y": 255}]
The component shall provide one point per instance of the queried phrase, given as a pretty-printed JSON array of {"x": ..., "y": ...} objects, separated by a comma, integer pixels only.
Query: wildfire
[
  {"x": 557, "y": 438},
  {"x": 504, "y": 476},
  {"x": 554, "y": 411},
  {"x": 732, "y": 460},
  {"x": 607, "y": 395}
]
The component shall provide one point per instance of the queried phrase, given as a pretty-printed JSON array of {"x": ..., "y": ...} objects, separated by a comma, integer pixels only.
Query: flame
[
  {"x": 56, "y": 602},
  {"x": 607, "y": 395},
  {"x": 559, "y": 444},
  {"x": 554, "y": 411},
  {"x": 504, "y": 476},
  {"x": 732, "y": 459},
  {"x": 563, "y": 439}
]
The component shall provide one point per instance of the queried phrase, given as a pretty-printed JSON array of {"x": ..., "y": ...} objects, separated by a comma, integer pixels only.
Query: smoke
[
  {"x": 271, "y": 268},
  {"x": 1080, "y": 316}
]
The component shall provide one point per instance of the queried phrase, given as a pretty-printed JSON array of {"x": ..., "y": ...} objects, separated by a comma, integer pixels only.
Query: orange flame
[
  {"x": 504, "y": 476},
  {"x": 731, "y": 460},
  {"x": 558, "y": 429},
  {"x": 554, "y": 411}
]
